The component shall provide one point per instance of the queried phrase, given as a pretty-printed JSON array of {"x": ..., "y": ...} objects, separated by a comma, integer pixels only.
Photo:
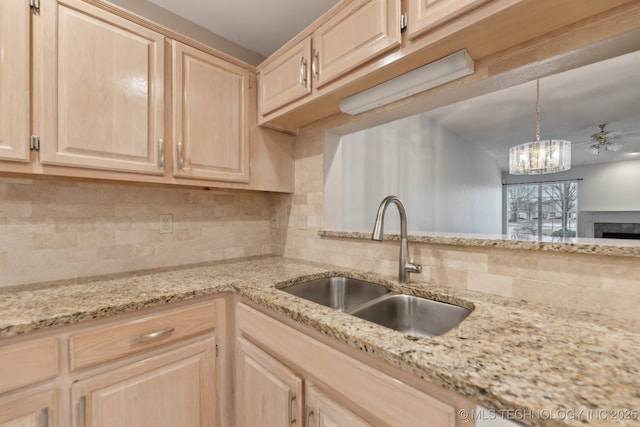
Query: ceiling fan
[{"x": 603, "y": 141}]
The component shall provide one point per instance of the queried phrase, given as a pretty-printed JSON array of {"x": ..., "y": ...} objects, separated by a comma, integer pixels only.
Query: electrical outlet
[
  {"x": 166, "y": 224},
  {"x": 302, "y": 222},
  {"x": 275, "y": 221}
]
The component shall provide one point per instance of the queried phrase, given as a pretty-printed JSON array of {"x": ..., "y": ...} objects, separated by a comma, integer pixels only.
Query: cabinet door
[
  {"x": 14, "y": 80},
  {"x": 269, "y": 394},
  {"x": 360, "y": 32},
  {"x": 99, "y": 86},
  {"x": 176, "y": 388},
  {"x": 322, "y": 411},
  {"x": 210, "y": 116},
  {"x": 424, "y": 15},
  {"x": 37, "y": 410},
  {"x": 286, "y": 78}
]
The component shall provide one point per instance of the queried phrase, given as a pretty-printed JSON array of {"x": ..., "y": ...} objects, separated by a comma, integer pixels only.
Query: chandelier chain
[{"x": 537, "y": 110}]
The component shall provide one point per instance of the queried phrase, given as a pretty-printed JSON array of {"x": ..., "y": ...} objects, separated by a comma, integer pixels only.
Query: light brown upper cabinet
[
  {"x": 424, "y": 15},
  {"x": 287, "y": 78},
  {"x": 359, "y": 32},
  {"x": 14, "y": 80},
  {"x": 98, "y": 81},
  {"x": 356, "y": 33},
  {"x": 210, "y": 116}
]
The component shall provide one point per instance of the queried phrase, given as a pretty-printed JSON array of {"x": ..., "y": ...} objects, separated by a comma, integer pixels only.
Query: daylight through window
[{"x": 542, "y": 211}]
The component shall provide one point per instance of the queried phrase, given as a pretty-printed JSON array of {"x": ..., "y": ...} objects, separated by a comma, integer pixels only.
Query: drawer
[
  {"x": 28, "y": 362},
  {"x": 122, "y": 338}
]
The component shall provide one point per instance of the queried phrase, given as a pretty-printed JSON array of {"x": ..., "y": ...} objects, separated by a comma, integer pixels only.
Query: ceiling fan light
[
  {"x": 593, "y": 149},
  {"x": 613, "y": 146}
]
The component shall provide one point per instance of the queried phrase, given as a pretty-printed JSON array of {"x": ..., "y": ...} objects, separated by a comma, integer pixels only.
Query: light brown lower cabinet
[
  {"x": 268, "y": 393},
  {"x": 32, "y": 410},
  {"x": 176, "y": 388},
  {"x": 276, "y": 361},
  {"x": 323, "y": 411},
  {"x": 160, "y": 367}
]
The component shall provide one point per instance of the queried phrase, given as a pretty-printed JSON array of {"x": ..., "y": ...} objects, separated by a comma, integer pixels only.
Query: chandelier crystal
[{"x": 538, "y": 157}]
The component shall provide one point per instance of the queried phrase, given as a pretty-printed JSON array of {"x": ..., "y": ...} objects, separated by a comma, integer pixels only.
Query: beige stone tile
[
  {"x": 76, "y": 194},
  {"x": 115, "y": 252},
  {"x": 55, "y": 240},
  {"x": 462, "y": 260},
  {"x": 615, "y": 304},
  {"x": 541, "y": 292},
  {"x": 452, "y": 278},
  {"x": 73, "y": 224},
  {"x": 21, "y": 226},
  {"x": 96, "y": 238},
  {"x": 30, "y": 192},
  {"x": 6, "y": 180},
  {"x": 127, "y": 237},
  {"x": 15, "y": 209},
  {"x": 300, "y": 199},
  {"x": 4, "y": 260},
  {"x": 237, "y": 252},
  {"x": 629, "y": 285},
  {"x": 70, "y": 210},
  {"x": 490, "y": 283},
  {"x": 523, "y": 264}
]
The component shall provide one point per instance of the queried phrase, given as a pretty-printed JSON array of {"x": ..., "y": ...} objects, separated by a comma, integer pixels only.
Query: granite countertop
[
  {"x": 554, "y": 367},
  {"x": 579, "y": 245}
]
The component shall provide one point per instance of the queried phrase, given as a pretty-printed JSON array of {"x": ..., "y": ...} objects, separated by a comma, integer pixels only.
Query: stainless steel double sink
[{"x": 408, "y": 314}]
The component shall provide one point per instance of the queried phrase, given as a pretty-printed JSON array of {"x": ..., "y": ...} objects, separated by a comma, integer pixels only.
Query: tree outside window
[{"x": 542, "y": 210}]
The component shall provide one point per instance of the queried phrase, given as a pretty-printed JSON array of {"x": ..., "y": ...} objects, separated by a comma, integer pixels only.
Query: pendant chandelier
[{"x": 538, "y": 157}]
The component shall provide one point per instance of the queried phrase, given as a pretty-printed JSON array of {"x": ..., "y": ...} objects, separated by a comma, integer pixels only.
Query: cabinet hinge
[
  {"x": 403, "y": 21},
  {"x": 216, "y": 350},
  {"x": 250, "y": 83},
  {"x": 34, "y": 143},
  {"x": 35, "y": 5}
]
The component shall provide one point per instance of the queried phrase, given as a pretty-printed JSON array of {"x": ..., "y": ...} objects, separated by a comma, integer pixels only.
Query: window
[{"x": 542, "y": 210}]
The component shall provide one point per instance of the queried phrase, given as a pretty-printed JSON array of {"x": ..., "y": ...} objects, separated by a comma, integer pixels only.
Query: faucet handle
[{"x": 412, "y": 267}]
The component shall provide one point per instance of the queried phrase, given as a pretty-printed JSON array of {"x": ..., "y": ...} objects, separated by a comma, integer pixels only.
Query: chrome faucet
[{"x": 404, "y": 267}]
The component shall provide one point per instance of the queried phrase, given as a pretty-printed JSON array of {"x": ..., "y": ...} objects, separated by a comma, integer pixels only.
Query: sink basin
[
  {"x": 340, "y": 293},
  {"x": 413, "y": 315}
]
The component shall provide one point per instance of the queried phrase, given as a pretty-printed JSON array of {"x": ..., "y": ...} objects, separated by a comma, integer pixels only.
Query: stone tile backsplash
[{"x": 57, "y": 229}]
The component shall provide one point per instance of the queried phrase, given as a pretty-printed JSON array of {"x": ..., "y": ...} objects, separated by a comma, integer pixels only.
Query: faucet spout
[{"x": 405, "y": 267}]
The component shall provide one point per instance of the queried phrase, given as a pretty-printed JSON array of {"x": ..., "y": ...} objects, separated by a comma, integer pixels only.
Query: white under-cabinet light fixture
[{"x": 434, "y": 74}]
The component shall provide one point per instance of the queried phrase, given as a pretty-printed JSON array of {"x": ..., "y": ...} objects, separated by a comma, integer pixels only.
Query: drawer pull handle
[
  {"x": 308, "y": 414},
  {"x": 44, "y": 417},
  {"x": 315, "y": 64},
  {"x": 82, "y": 408},
  {"x": 303, "y": 72},
  {"x": 152, "y": 336},
  {"x": 160, "y": 153},
  {"x": 180, "y": 160},
  {"x": 292, "y": 397}
]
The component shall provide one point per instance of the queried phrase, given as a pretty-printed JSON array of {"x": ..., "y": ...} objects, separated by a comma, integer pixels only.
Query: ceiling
[
  {"x": 572, "y": 104},
  {"x": 261, "y": 26}
]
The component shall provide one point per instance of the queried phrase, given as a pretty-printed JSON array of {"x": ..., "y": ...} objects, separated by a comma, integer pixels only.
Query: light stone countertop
[
  {"x": 579, "y": 245},
  {"x": 507, "y": 355}
]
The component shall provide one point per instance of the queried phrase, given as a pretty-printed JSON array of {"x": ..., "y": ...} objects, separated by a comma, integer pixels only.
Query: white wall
[{"x": 446, "y": 184}]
